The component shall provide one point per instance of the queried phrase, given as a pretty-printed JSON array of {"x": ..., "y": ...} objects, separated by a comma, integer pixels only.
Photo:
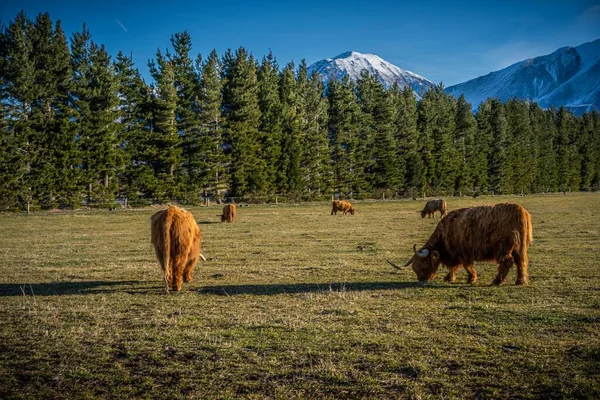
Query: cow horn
[
  {"x": 399, "y": 267},
  {"x": 423, "y": 253},
  {"x": 202, "y": 257}
]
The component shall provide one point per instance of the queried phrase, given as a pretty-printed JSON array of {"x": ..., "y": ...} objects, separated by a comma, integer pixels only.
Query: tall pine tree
[
  {"x": 270, "y": 122},
  {"x": 315, "y": 162},
  {"x": 242, "y": 114}
]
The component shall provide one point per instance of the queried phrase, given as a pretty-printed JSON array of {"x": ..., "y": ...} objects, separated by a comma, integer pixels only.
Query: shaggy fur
[
  {"x": 432, "y": 206},
  {"x": 500, "y": 233},
  {"x": 229, "y": 212},
  {"x": 341, "y": 205},
  {"x": 176, "y": 239}
]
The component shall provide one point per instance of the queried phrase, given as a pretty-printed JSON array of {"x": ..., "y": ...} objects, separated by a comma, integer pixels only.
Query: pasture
[{"x": 295, "y": 303}]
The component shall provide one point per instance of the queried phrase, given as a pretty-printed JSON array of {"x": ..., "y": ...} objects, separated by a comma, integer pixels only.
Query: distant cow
[
  {"x": 432, "y": 206},
  {"x": 229, "y": 212},
  {"x": 341, "y": 205},
  {"x": 176, "y": 239},
  {"x": 500, "y": 233}
]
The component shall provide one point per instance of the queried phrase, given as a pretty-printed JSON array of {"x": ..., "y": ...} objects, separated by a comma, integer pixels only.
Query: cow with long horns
[{"x": 500, "y": 233}]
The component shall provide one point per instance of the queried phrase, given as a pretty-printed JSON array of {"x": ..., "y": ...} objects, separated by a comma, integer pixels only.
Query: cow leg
[
  {"x": 188, "y": 273},
  {"x": 503, "y": 269},
  {"x": 451, "y": 277},
  {"x": 522, "y": 273},
  {"x": 471, "y": 273},
  {"x": 159, "y": 256},
  {"x": 179, "y": 265}
]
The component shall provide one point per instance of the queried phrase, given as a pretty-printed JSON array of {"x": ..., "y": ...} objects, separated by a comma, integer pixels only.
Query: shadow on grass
[
  {"x": 208, "y": 222},
  {"x": 273, "y": 289},
  {"x": 69, "y": 288}
]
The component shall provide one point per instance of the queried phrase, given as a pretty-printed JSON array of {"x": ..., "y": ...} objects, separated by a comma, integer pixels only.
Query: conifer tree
[
  {"x": 39, "y": 139},
  {"x": 500, "y": 171},
  {"x": 569, "y": 162},
  {"x": 315, "y": 162},
  {"x": 378, "y": 104},
  {"x": 211, "y": 122},
  {"x": 242, "y": 114},
  {"x": 544, "y": 137},
  {"x": 436, "y": 128},
  {"x": 468, "y": 159},
  {"x": 137, "y": 177},
  {"x": 187, "y": 114},
  {"x": 166, "y": 141},
  {"x": 96, "y": 102},
  {"x": 289, "y": 164},
  {"x": 520, "y": 151},
  {"x": 343, "y": 126},
  {"x": 270, "y": 123},
  {"x": 17, "y": 94},
  {"x": 410, "y": 166},
  {"x": 364, "y": 162},
  {"x": 587, "y": 144}
]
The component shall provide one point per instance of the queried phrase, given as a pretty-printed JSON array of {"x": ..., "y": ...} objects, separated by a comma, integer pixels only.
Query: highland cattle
[
  {"x": 176, "y": 238},
  {"x": 432, "y": 206},
  {"x": 500, "y": 233},
  {"x": 229, "y": 213},
  {"x": 341, "y": 205}
]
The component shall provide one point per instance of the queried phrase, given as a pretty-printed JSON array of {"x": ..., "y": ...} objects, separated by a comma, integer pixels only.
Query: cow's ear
[{"x": 435, "y": 255}]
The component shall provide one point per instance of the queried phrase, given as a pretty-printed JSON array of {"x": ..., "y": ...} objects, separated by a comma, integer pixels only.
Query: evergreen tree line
[{"x": 77, "y": 125}]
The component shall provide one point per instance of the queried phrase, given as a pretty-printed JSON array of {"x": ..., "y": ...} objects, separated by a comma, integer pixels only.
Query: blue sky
[{"x": 444, "y": 41}]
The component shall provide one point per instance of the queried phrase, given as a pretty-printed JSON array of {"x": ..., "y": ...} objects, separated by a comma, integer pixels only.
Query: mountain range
[
  {"x": 568, "y": 77},
  {"x": 352, "y": 63}
]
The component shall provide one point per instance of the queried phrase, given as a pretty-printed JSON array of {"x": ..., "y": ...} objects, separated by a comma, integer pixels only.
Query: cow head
[
  {"x": 423, "y": 213},
  {"x": 425, "y": 263},
  {"x": 351, "y": 210}
]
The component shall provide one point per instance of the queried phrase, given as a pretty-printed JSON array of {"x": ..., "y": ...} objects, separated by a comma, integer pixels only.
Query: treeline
[{"x": 77, "y": 125}]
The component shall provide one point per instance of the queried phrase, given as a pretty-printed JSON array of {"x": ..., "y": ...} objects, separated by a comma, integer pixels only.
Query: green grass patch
[{"x": 295, "y": 303}]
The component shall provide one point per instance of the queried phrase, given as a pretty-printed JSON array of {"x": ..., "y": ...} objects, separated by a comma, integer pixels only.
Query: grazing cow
[
  {"x": 176, "y": 239},
  {"x": 432, "y": 206},
  {"x": 500, "y": 233},
  {"x": 229, "y": 212},
  {"x": 341, "y": 205}
]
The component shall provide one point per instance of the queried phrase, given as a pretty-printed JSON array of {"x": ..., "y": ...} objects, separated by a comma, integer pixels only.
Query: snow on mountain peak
[
  {"x": 353, "y": 63},
  {"x": 570, "y": 77}
]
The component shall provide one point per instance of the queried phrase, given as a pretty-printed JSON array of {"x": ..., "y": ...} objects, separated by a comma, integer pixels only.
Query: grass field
[{"x": 295, "y": 303}]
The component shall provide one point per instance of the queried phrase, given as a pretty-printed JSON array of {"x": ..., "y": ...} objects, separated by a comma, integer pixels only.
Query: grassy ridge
[{"x": 293, "y": 302}]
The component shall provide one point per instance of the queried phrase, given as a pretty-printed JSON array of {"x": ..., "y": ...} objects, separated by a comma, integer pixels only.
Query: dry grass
[{"x": 295, "y": 303}]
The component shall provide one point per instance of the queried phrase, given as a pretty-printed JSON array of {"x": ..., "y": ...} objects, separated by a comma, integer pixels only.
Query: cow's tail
[
  {"x": 526, "y": 238},
  {"x": 167, "y": 247}
]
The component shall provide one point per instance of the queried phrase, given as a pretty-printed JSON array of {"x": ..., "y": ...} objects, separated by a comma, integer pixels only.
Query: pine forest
[{"x": 80, "y": 127}]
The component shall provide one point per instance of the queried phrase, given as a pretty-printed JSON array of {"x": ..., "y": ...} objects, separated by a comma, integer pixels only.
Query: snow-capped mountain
[
  {"x": 568, "y": 77},
  {"x": 353, "y": 63}
]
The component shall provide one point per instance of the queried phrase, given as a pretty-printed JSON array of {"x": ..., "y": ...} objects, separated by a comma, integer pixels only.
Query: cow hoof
[{"x": 521, "y": 282}]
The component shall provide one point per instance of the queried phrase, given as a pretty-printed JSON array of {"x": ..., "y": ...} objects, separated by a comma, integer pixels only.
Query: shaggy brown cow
[
  {"x": 341, "y": 205},
  {"x": 432, "y": 206},
  {"x": 229, "y": 212},
  {"x": 500, "y": 233},
  {"x": 176, "y": 239}
]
